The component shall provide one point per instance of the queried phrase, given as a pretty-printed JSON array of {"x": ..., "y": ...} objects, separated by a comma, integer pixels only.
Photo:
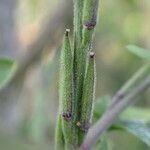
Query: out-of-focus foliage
[
  {"x": 134, "y": 120},
  {"x": 7, "y": 70},
  {"x": 143, "y": 53},
  {"x": 140, "y": 129},
  {"x": 100, "y": 106}
]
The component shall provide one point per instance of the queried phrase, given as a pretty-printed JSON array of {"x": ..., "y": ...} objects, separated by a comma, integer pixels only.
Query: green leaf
[
  {"x": 101, "y": 105},
  {"x": 141, "y": 52},
  {"x": 7, "y": 70},
  {"x": 140, "y": 129},
  {"x": 102, "y": 143},
  {"x": 132, "y": 114},
  {"x": 136, "y": 113}
]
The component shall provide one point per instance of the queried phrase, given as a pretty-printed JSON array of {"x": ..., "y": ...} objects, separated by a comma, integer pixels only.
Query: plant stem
[
  {"x": 78, "y": 8},
  {"x": 131, "y": 83},
  {"x": 108, "y": 118},
  {"x": 89, "y": 20}
]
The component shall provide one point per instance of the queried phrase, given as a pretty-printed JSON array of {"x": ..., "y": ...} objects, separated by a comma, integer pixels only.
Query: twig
[
  {"x": 110, "y": 115},
  {"x": 130, "y": 84}
]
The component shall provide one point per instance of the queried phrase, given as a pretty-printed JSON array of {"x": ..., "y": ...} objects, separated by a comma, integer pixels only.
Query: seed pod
[
  {"x": 88, "y": 94},
  {"x": 90, "y": 11},
  {"x": 66, "y": 93},
  {"x": 66, "y": 74},
  {"x": 78, "y": 8}
]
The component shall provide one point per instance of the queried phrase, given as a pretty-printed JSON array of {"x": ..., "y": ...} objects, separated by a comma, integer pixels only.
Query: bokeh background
[{"x": 31, "y": 32}]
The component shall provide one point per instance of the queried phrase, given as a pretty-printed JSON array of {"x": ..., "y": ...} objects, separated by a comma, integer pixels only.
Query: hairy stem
[
  {"x": 90, "y": 11},
  {"x": 78, "y": 10}
]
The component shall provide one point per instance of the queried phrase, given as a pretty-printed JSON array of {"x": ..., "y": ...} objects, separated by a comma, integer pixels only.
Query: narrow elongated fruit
[
  {"x": 88, "y": 95},
  {"x": 90, "y": 11},
  {"x": 78, "y": 10},
  {"x": 66, "y": 77},
  {"x": 66, "y": 93}
]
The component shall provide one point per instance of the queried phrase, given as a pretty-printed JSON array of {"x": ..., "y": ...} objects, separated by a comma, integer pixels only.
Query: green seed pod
[
  {"x": 66, "y": 94},
  {"x": 88, "y": 94},
  {"x": 90, "y": 11},
  {"x": 78, "y": 8},
  {"x": 66, "y": 77}
]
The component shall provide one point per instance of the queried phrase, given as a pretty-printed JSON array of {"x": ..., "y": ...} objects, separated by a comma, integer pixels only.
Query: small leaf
[
  {"x": 141, "y": 129},
  {"x": 7, "y": 70},
  {"x": 141, "y": 52}
]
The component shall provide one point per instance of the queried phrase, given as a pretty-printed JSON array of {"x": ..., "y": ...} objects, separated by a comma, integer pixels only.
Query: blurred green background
[{"x": 31, "y": 34}]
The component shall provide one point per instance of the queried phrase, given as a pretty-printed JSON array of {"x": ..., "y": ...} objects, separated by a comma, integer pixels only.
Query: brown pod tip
[
  {"x": 90, "y": 25},
  {"x": 92, "y": 54},
  {"x": 67, "y": 116},
  {"x": 67, "y": 32}
]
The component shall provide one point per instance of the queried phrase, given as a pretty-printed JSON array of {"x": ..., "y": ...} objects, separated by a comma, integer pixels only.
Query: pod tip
[
  {"x": 67, "y": 116},
  {"x": 92, "y": 54},
  {"x": 90, "y": 25},
  {"x": 67, "y": 32}
]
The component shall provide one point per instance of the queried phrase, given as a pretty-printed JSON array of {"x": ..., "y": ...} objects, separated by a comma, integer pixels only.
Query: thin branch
[
  {"x": 108, "y": 118},
  {"x": 130, "y": 84}
]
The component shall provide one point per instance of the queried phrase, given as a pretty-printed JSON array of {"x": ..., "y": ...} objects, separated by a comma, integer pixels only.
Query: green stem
[
  {"x": 89, "y": 19},
  {"x": 78, "y": 9}
]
